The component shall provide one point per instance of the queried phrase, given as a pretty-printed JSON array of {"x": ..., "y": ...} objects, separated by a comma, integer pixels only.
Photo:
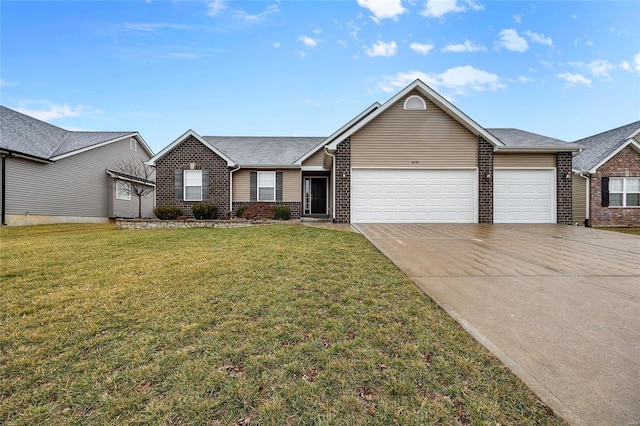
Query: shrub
[
  {"x": 282, "y": 212},
  {"x": 258, "y": 211},
  {"x": 204, "y": 211},
  {"x": 167, "y": 213},
  {"x": 240, "y": 210}
]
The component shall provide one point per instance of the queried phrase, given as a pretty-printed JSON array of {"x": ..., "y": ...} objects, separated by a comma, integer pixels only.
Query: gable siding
[
  {"x": 430, "y": 137},
  {"x": 291, "y": 185},
  {"x": 525, "y": 160},
  {"x": 73, "y": 186},
  {"x": 316, "y": 159},
  {"x": 579, "y": 190}
]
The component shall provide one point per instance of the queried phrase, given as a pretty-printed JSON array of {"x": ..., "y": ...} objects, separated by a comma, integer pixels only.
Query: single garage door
[
  {"x": 524, "y": 196},
  {"x": 413, "y": 196}
]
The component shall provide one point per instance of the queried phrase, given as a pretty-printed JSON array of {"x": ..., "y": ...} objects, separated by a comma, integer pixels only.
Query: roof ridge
[{"x": 608, "y": 131}]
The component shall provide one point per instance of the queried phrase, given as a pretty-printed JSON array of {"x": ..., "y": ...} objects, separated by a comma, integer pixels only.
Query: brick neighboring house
[
  {"x": 607, "y": 178},
  {"x": 414, "y": 159}
]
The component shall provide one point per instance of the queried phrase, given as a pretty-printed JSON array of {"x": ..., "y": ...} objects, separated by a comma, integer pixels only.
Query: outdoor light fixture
[{"x": 192, "y": 166}]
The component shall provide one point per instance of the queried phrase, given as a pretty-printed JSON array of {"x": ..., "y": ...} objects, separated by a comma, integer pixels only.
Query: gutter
[
  {"x": 536, "y": 149},
  {"x": 4, "y": 192},
  {"x": 231, "y": 187},
  {"x": 269, "y": 166}
]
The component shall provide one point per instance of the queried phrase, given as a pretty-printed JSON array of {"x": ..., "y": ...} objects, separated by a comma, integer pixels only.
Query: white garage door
[
  {"x": 524, "y": 196},
  {"x": 413, "y": 196}
]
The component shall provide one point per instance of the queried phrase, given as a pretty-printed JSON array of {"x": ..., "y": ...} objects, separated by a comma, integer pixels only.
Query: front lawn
[
  {"x": 633, "y": 231},
  {"x": 268, "y": 325}
]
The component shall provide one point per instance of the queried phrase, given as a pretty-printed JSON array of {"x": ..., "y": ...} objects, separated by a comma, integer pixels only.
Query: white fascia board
[
  {"x": 433, "y": 96},
  {"x": 270, "y": 166},
  {"x": 129, "y": 179},
  {"x": 98, "y": 145},
  {"x": 144, "y": 144},
  {"x": 314, "y": 169},
  {"x": 336, "y": 138},
  {"x": 8, "y": 153},
  {"x": 630, "y": 142},
  {"x": 185, "y": 135},
  {"x": 537, "y": 149}
]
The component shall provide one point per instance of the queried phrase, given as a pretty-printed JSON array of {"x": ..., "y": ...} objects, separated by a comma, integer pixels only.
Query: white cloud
[
  {"x": 600, "y": 68},
  {"x": 636, "y": 60},
  {"x": 151, "y": 26},
  {"x": 517, "y": 18},
  {"x": 382, "y": 49},
  {"x": 523, "y": 79},
  {"x": 317, "y": 31},
  {"x": 51, "y": 111},
  {"x": 308, "y": 41},
  {"x": 458, "y": 79},
  {"x": 439, "y": 8},
  {"x": 573, "y": 79},
  {"x": 276, "y": 44},
  {"x": 383, "y": 9},
  {"x": 421, "y": 48},
  {"x": 215, "y": 7},
  {"x": 625, "y": 65},
  {"x": 6, "y": 83},
  {"x": 467, "y": 46},
  {"x": 539, "y": 38},
  {"x": 258, "y": 17},
  {"x": 353, "y": 30},
  {"x": 510, "y": 40}
]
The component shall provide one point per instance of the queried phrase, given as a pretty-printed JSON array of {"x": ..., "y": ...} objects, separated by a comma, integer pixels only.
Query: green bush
[
  {"x": 240, "y": 210},
  {"x": 204, "y": 211},
  {"x": 282, "y": 212},
  {"x": 168, "y": 213}
]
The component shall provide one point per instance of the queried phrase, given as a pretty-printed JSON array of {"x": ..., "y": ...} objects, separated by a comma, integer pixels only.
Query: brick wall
[
  {"x": 624, "y": 164},
  {"x": 343, "y": 182},
  {"x": 192, "y": 151},
  {"x": 294, "y": 206},
  {"x": 564, "y": 191},
  {"x": 485, "y": 185}
]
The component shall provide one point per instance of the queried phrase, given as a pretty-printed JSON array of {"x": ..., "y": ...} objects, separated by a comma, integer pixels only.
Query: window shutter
[
  {"x": 253, "y": 187},
  {"x": 605, "y": 191},
  {"x": 178, "y": 185},
  {"x": 205, "y": 185},
  {"x": 278, "y": 186}
]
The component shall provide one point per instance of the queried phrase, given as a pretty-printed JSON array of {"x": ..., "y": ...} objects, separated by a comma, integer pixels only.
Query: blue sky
[{"x": 562, "y": 69}]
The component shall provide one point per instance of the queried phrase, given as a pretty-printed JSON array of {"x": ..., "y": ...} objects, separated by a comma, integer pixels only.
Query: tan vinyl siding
[
  {"x": 524, "y": 160},
  {"x": 405, "y": 139},
  {"x": 579, "y": 193},
  {"x": 291, "y": 185},
  {"x": 74, "y": 186},
  {"x": 316, "y": 159}
]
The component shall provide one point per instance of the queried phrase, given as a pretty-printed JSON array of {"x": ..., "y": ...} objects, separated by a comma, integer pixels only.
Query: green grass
[
  {"x": 633, "y": 231},
  {"x": 268, "y": 325}
]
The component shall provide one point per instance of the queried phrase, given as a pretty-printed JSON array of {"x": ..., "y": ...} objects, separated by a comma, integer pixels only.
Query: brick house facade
[
  {"x": 564, "y": 191},
  {"x": 191, "y": 154},
  {"x": 485, "y": 181},
  {"x": 626, "y": 163}
]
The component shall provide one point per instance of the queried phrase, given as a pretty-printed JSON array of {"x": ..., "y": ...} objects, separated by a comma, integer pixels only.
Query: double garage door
[{"x": 449, "y": 196}]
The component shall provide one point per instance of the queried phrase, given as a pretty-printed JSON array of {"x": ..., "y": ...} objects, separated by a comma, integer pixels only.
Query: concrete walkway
[{"x": 559, "y": 305}]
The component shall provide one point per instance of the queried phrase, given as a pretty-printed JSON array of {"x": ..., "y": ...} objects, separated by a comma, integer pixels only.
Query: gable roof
[
  {"x": 516, "y": 140},
  {"x": 33, "y": 138},
  {"x": 185, "y": 136},
  {"x": 603, "y": 146},
  {"x": 264, "y": 151},
  {"x": 434, "y": 97}
]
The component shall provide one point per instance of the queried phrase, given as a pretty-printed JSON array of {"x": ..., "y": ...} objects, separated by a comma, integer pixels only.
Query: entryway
[{"x": 316, "y": 195}]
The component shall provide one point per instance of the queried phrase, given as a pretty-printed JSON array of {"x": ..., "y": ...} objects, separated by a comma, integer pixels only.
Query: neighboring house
[
  {"x": 414, "y": 159},
  {"x": 52, "y": 175},
  {"x": 606, "y": 181}
]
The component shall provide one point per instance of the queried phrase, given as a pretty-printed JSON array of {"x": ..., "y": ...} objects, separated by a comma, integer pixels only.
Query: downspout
[
  {"x": 231, "y": 188},
  {"x": 333, "y": 183},
  {"x": 587, "y": 179},
  {"x": 4, "y": 192}
]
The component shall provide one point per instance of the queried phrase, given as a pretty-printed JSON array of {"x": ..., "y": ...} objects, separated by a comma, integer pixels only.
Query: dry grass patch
[{"x": 266, "y": 325}]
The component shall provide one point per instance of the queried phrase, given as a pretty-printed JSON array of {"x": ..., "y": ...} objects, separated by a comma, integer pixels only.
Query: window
[
  {"x": 624, "y": 192},
  {"x": 123, "y": 190},
  {"x": 133, "y": 144},
  {"x": 415, "y": 103},
  {"x": 266, "y": 186},
  {"x": 192, "y": 185}
]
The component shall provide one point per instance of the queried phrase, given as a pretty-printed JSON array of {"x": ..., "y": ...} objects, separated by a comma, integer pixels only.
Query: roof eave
[
  {"x": 270, "y": 166},
  {"x": 182, "y": 138},
  {"x": 16, "y": 154},
  {"x": 98, "y": 145},
  {"x": 537, "y": 149}
]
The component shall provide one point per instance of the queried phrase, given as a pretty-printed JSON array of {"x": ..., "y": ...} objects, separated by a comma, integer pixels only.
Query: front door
[{"x": 315, "y": 195}]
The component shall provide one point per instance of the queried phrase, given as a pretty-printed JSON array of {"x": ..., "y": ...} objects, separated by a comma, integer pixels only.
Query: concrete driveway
[{"x": 559, "y": 305}]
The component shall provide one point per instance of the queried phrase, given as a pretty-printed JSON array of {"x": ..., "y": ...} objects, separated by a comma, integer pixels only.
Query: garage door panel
[
  {"x": 524, "y": 196},
  {"x": 413, "y": 196}
]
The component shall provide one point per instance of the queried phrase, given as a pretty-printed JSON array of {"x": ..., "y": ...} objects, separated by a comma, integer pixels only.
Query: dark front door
[{"x": 318, "y": 196}]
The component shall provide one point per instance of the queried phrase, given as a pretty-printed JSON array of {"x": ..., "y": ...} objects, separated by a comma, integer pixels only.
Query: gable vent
[{"x": 415, "y": 102}]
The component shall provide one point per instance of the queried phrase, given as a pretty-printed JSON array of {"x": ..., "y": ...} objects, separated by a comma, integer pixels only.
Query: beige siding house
[
  {"x": 414, "y": 159},
  {"x": 51, "y": 175}
]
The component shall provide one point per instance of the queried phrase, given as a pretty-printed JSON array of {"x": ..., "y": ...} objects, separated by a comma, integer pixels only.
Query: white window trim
[
  {"x": 133, "y": 144},
  {"x": 274, "y": 186},
  {"x": 423, "y": 103},
  {"x": 123, "y": 194},
  {"x": 624, "y": 191},
  {"x": 184, "y": 184}
]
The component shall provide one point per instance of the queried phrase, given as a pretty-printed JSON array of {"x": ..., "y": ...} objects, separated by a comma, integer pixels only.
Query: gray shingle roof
[
  {"x": 26, "y": 135},
  {"x": 600, "y": 146},
  {"x": 515, "y": 137},
  {"x": 267, "y": 151}
]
